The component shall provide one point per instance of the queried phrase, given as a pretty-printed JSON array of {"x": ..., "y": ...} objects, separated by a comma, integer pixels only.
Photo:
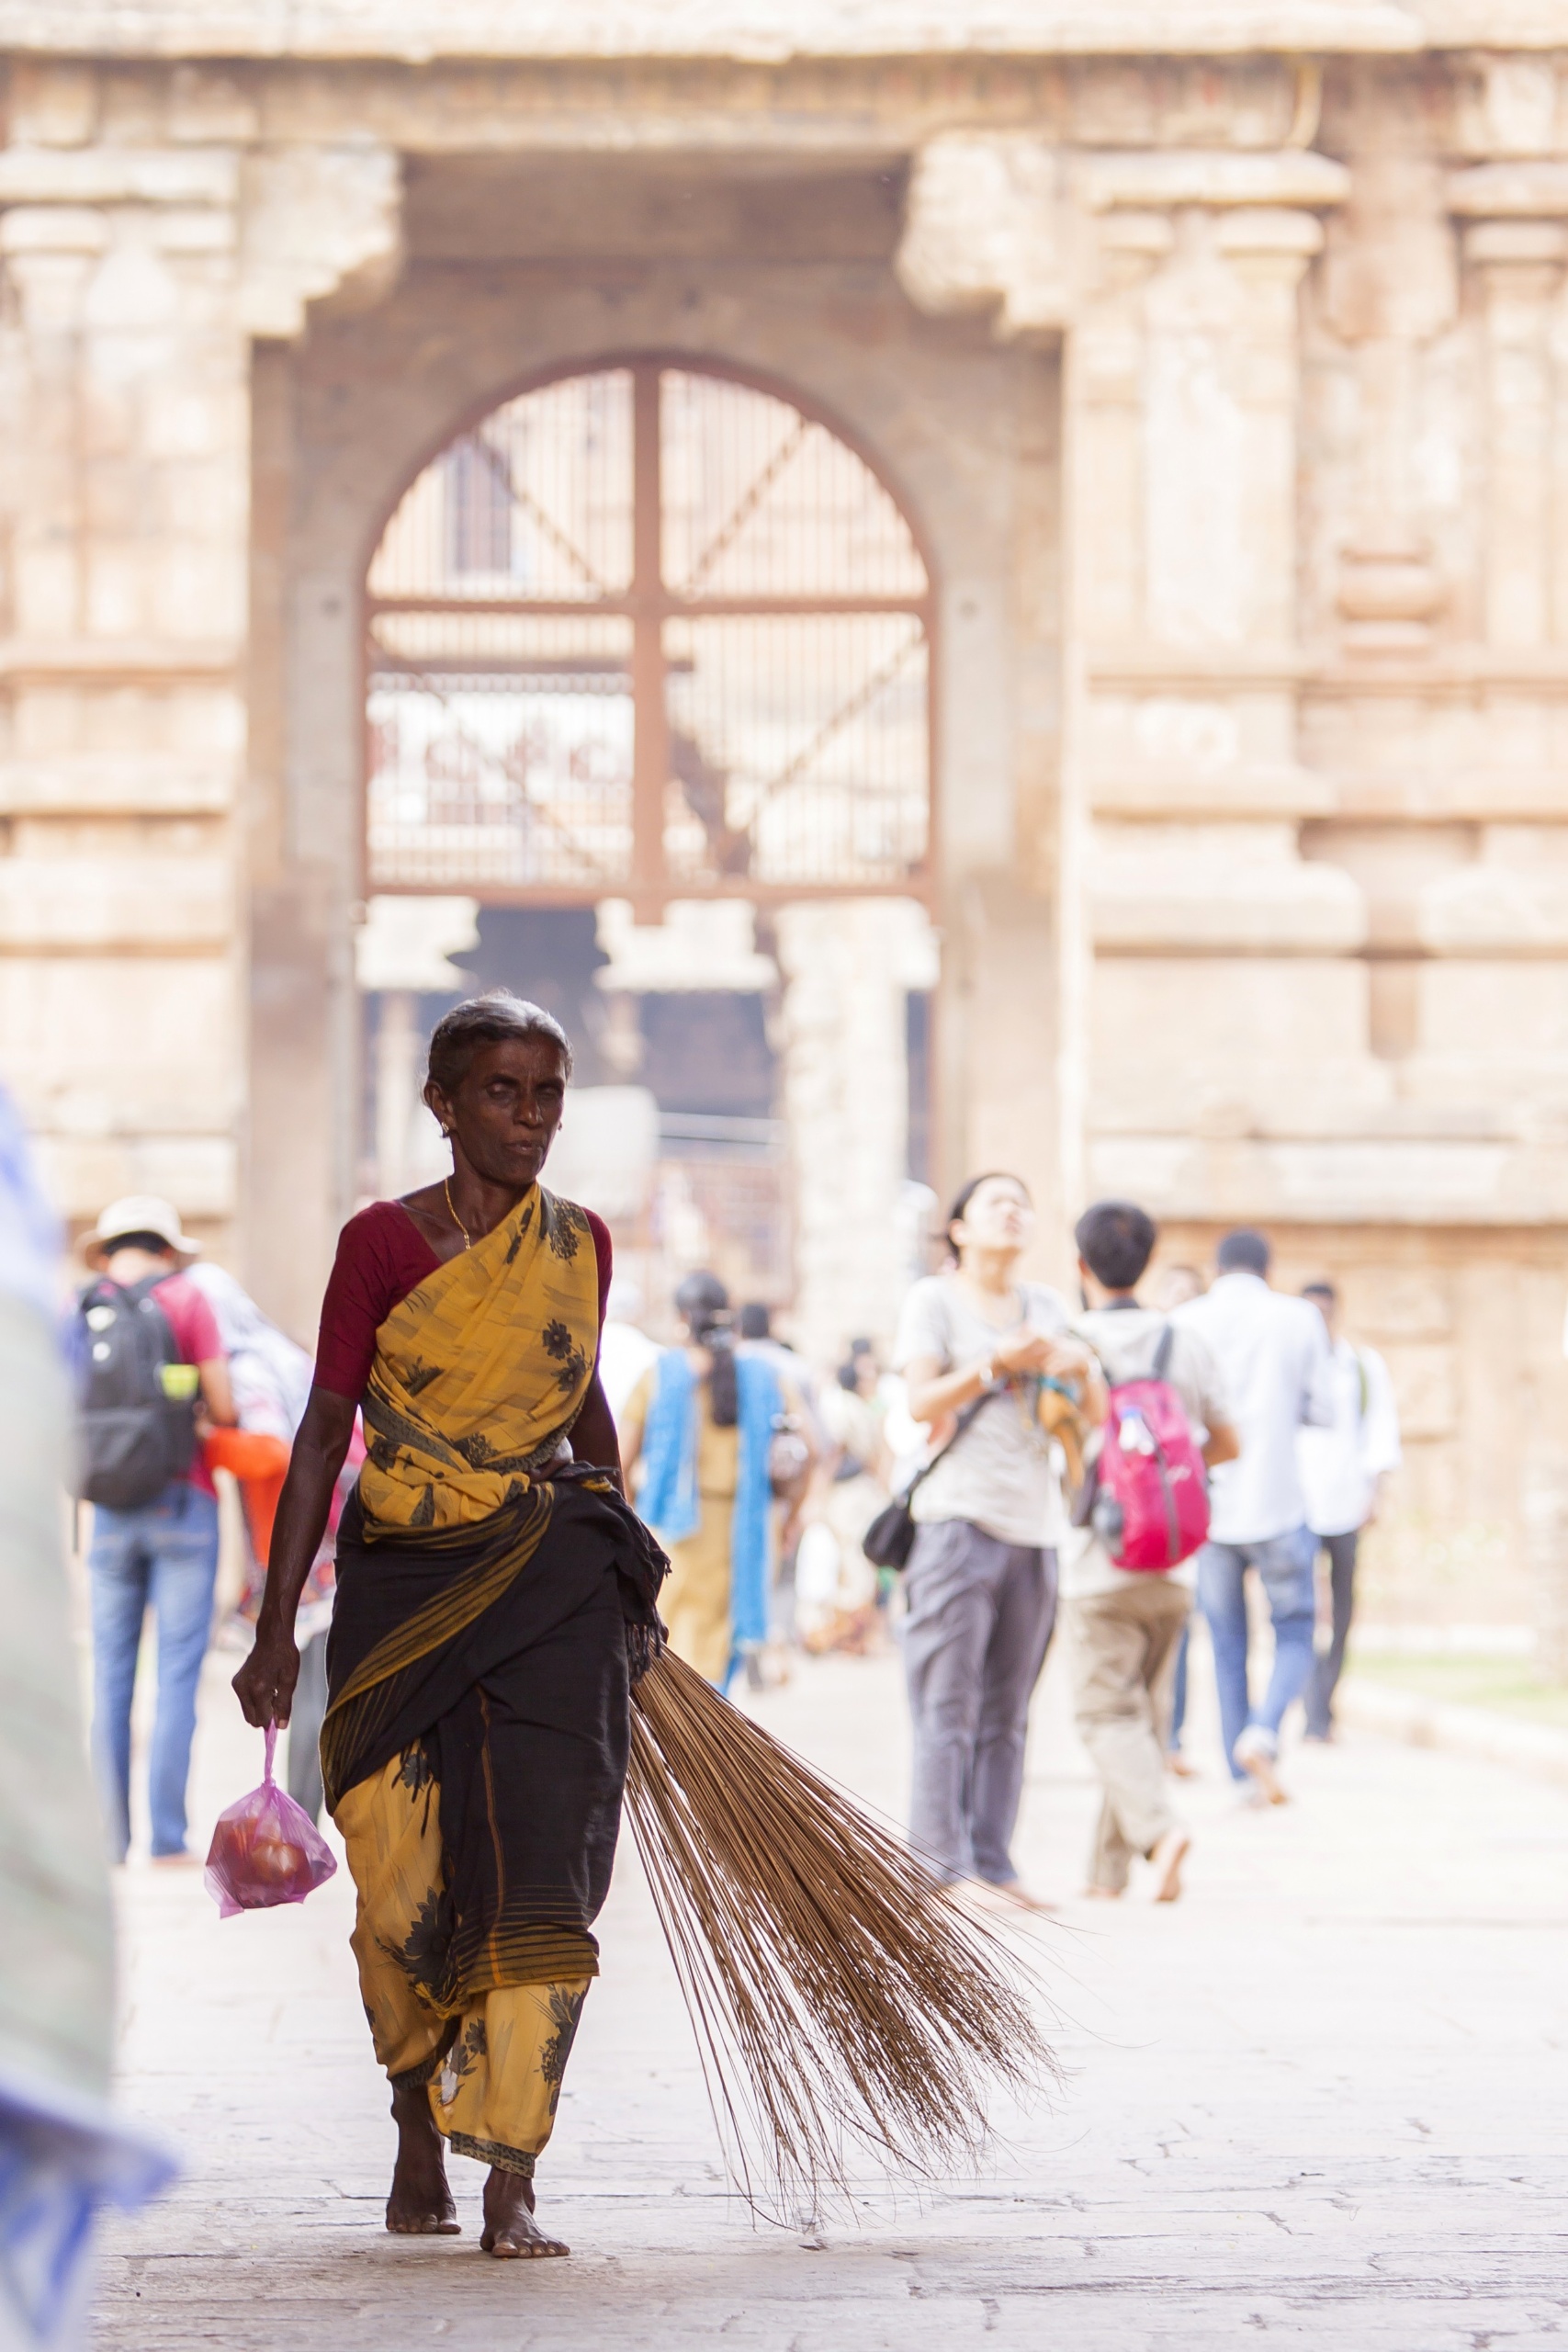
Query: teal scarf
[{"x": 670, "y": 1502}]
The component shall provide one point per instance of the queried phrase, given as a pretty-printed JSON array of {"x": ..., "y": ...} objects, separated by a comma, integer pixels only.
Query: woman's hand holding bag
[{"x": 265, "y": 1849}]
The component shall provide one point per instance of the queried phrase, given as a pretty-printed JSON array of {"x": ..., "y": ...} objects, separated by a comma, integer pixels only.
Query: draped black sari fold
[{"x": 496, "y": 1659}]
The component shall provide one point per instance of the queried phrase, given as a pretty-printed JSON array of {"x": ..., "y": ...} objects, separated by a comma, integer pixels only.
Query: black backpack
[{"x": 137, "y": 1400}]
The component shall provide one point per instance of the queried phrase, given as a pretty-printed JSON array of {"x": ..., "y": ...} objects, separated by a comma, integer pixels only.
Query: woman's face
[
  {"x": 503, "y": 1114},
  {"x": 997, "y": 1216}
]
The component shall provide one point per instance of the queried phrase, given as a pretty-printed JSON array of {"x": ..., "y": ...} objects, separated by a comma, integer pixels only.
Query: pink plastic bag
[{"x": 265, "y": 1849}]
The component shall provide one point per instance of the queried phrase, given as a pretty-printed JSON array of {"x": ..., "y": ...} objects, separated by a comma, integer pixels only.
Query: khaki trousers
[{"x": 1123, "y": 1659}]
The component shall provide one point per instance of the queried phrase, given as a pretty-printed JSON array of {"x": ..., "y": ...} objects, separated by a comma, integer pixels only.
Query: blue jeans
[
  {"x": 1285, "y": 1566},
  {"x": 1178, "y": 1695},
  {"x": 165, "y": 1554}
]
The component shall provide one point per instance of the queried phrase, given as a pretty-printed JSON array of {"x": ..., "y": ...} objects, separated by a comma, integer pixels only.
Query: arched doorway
[
  {"x": 638, "y": 639},
  {"x": 651, "y": 631}
]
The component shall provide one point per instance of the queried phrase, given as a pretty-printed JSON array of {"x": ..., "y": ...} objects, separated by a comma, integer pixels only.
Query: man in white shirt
[
  {"x": 1278, "y": 1374},
  {"x": 1344, "y": 1470}
]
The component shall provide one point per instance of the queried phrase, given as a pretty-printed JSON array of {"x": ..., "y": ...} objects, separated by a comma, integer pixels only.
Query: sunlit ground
[{"x": 1320, "y": 2100}]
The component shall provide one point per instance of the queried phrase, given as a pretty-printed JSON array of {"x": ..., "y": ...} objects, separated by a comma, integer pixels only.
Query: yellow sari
[
  {"x": 480, "y": 1373},
  {"x": 474, "y": 1745}
]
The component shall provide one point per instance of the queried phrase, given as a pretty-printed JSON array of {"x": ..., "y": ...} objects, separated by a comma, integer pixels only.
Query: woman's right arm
[
  {"x": 932, "y": 1394},
  {"x": 265, "y": 1684}
]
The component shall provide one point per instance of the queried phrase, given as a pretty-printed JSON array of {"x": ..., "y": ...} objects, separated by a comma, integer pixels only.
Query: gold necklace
[{"x": 446, "y": 1188}]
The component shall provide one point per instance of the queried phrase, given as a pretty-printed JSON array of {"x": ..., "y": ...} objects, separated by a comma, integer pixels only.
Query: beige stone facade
[{"x": 1219, "y": 357}]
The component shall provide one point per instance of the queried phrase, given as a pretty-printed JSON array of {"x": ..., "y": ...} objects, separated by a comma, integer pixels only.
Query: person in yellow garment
[
  {"x": 701, "y": 1423},
  {"x": 495, "y": 1599}
]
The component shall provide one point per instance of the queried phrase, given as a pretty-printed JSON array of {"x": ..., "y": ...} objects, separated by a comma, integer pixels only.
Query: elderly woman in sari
[
  {"x": 701, "y": 1423},
  {"x": 496, "y": 1599}
]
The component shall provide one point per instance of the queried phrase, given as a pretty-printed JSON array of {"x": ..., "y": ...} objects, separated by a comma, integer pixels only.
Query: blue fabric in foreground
[
  {"x": 30, "y": 1238},
  {"x": 63, "y": 2155}
]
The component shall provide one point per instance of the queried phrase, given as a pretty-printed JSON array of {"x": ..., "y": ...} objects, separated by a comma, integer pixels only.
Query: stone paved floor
[{"x": 1320, "y": 2101}]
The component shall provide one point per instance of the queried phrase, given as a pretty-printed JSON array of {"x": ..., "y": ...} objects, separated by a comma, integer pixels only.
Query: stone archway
[
  {"x": 650, "y": 629},
  {"x": 652, "y": 633},
  {"x": 960, "y": 429}
]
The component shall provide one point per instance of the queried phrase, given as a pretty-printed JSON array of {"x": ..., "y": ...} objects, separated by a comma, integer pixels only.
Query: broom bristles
[{"x": 842, "y": 2005}]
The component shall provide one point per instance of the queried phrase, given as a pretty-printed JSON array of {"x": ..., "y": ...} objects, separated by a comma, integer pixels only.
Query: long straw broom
[{"x": 844, "y": 2007}]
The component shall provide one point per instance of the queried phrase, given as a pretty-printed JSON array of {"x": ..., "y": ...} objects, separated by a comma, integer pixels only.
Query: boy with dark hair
[
  {"x": 1116, "y": 1240},
  {"x": 1243, "y": 1251},
  {"x": 1126, "y": 1625}
]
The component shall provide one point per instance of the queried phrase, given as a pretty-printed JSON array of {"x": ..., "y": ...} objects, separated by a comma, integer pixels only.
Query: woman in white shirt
[{"x": 982, "y": 1575}]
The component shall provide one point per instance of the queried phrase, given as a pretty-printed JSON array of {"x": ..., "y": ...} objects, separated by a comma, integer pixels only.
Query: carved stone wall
[
  {"x": 1231, "y": 394},
  {"x": 147, "y": 234},
  {"x": 964, "y": 428}
]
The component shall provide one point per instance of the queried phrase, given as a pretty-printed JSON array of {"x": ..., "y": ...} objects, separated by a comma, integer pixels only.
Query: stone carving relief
[
  {"x": 985, "y": 228},
  {"x": 1390, "y": 290},
  {"x": 319, "y": 223}
]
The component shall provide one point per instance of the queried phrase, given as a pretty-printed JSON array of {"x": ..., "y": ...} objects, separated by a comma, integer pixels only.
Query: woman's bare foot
[
  {"x": 1256, "y": 1754},
  {"x": 1168, "y": 1858},
  {"x": 510, "y": 2233},
  {"x": 1178, "y": 1765},
  {"x": 421, "y": 2203},
  {"x": 1103, "y": 1893}
]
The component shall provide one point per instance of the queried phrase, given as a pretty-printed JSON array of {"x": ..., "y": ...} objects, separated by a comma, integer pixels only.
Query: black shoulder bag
[{"x": 890, "y": 1538}]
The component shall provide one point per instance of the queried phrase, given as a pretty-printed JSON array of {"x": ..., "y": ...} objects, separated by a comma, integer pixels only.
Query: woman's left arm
[{"x": 593, "y": 1435}]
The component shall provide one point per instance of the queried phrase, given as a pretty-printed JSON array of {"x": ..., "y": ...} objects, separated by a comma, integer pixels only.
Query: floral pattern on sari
[{"x": 482, "y": 1371}]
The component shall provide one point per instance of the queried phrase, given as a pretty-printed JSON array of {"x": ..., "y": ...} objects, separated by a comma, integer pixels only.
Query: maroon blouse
[{"x": 381, "y": 1256}]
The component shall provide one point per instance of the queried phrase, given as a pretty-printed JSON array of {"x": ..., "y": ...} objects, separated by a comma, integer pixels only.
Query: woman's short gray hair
[{"x": 487, "y": 1020}]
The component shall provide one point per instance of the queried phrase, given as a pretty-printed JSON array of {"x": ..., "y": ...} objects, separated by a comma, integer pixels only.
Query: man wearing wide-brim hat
[{"x": 160, "y": 1552}]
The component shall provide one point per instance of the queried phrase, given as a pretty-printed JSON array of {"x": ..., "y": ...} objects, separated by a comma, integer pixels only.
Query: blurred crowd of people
[
  {"x": 1015, "y": 1419},
  {"x": 1108, "y": 1462},
  {"x": 180, "y": 1379}
]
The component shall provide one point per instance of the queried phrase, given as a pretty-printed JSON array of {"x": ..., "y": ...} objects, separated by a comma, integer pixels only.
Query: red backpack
[{"x": 1149, "y": 1495}]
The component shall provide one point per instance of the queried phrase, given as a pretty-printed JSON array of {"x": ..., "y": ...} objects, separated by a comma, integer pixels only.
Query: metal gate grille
[{"x": 648, "y": 632}]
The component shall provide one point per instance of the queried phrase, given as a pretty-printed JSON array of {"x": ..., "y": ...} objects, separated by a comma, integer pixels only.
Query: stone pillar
[
  {"x": 1183, "y": 381},
  {"x": 991, "y": 225},
  {"x": 135, "y": 276},
  {"x": 398, "y": 1074},
  {"x": 1491, "y": 993},
  {"x": 1173, "y": 278},
  {"x": 1516, "y": 244},
  {"x": 401, "y": 953},
  {"x": 1390, "y": 288},
  {"x": 321, "y": 225},
  {"x": 122, "y": 394},
  {"x": 1203, "y": 911},
  {"x": 848, "y": 967}
]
